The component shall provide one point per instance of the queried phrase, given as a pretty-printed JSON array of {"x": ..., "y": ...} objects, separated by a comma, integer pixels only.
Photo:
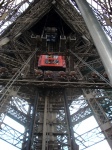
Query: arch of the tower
[{"x": 52, "y": 78}]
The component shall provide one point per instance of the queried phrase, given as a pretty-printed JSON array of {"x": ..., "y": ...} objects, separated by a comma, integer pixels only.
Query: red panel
[{"x": 51, "y": 61}]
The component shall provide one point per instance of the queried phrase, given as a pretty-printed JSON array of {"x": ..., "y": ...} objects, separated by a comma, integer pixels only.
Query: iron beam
[
  {"x": 100, "y": 39},
  {"x": 74, "y": 146},
  {"x": 29, "y": 144},
  {"x": 44, "y": 125}
]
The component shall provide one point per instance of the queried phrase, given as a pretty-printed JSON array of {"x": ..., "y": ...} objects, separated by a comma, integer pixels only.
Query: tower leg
[
  {"x": 100, "y": 39},
  {"x": 74, "y": 146},
  {"x": 50, "y": 125},
  {"x": 44, "y": 125},
  {"x": 27, "y": 142}
]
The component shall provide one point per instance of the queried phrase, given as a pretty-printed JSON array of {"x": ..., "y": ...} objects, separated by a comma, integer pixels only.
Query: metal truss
[
  {"x": 90, "y": 138},
  {"x": 76, "y": 23},
  {"x": 85, "y": 140},
  {"x": 99, "y": 113},
  {"x": 9, "y": 61},
  {"x": 24, "y": 22},
  {"x": 10, "y": 11},
  {"x": 99, "y": 110},
  {"x": 58, "y": 84},
  {"x": 8, "y": 91},
  {"x": 48, "y": 115},
  {"x": 49, "y": 127},
  {"x": 67, "y": 13},
  {"x": 83, "y": 111},
  {"x": 11, "y": 135},
  {"x": 19, "y": 110},
  {"x": 103, "y": 12},
  {"x": 79, "y": 110}
]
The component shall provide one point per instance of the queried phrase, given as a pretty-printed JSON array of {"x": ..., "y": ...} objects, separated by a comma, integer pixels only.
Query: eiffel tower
[{"x": 49, "y": 101}]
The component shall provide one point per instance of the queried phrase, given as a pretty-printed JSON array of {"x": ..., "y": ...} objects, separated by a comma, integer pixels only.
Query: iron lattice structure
[{"x": 43, "y": 106}]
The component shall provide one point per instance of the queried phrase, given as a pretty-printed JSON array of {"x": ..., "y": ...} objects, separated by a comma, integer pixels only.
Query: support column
[
  {"x": 99, "y": 114},
  {"x": 33, "y": 121},
  {"x": 74, "y": 146},
  {"x": 44, "y": 125},
  {"x": 100, "y": 39},
  {"x": 27, "y": 144}
]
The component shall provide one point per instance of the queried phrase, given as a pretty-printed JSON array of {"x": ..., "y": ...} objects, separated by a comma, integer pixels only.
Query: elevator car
[{"x": 52, "y": 62}]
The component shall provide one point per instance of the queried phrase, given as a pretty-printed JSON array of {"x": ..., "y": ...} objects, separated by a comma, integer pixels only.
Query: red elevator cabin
[{"x": 52, "y": 62}]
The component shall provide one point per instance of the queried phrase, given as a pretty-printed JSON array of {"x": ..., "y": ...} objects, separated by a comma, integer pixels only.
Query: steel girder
[
  {"x": 103, "y": 11},
  {"x": 11, "y": 135},
  {"x": 58, "y": 84},
  {"x": 50, "y": 124},
  {"x": 9, "y": 91},
  {"x": 24, "y": 22}
]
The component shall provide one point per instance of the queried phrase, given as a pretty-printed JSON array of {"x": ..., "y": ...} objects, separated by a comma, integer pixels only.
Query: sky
[
  {"x": 87, "y": 125},
  {"x": 5, "y": 146}
]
